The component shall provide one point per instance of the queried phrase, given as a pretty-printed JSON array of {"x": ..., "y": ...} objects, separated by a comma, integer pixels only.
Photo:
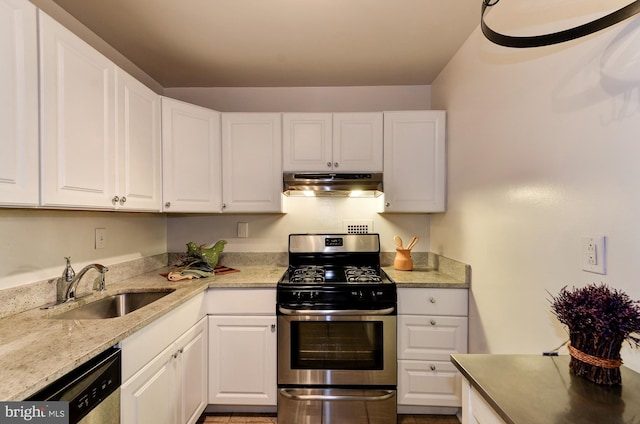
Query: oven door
[{"x": 336, "y": 348}]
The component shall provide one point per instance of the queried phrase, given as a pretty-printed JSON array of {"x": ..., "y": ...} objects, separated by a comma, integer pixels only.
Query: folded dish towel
[{"x": 197, "y": 269}]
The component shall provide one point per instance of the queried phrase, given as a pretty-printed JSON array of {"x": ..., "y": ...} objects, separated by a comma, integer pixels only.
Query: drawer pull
[
  {"x": 432, "y": 299},
  {"x": 433, "y": 322},
  {"x": 433, "y": 367}
]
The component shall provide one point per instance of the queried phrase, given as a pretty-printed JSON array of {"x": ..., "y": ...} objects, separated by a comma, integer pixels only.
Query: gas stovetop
[{"x": 335, "y": 271}]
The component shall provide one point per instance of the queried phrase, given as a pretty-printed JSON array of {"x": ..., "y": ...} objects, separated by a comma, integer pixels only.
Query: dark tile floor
[{"x": 239, "y": 418}]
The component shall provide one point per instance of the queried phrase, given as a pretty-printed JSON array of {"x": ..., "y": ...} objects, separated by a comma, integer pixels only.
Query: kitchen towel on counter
[{"x": 194, "y": 270}]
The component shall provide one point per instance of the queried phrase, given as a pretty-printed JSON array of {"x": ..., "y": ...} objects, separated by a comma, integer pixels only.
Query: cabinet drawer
[
  {"x": 251, "y": 301},
  {"x": 431, "y": 337},
  {"x": 433, "y": 301},
  {"x": 429, "y": 383}
]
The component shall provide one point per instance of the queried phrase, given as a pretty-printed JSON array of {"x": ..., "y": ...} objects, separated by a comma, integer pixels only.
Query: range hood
[{"x": 356, "y": 184}]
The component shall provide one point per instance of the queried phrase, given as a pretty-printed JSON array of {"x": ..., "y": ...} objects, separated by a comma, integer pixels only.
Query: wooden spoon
[
  {"x": 398, "y": 241},
  {"x": 413, "y": 242}
]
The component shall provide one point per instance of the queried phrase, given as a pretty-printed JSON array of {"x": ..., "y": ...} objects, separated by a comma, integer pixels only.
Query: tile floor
[{"x": 238, "y": 418}]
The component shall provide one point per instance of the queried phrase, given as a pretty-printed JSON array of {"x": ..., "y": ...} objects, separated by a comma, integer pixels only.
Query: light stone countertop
[{"x": 36, "y": 349}]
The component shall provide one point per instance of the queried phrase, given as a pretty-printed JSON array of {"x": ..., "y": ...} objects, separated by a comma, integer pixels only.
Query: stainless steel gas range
[{"x": 336, "y": 332}]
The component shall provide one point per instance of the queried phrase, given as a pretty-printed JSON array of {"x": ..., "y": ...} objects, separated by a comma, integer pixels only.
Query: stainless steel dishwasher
[{"x": 92, "y": 390}]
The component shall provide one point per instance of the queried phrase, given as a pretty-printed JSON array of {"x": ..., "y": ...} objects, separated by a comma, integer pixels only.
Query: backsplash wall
[{"x": 268, "y": 233}]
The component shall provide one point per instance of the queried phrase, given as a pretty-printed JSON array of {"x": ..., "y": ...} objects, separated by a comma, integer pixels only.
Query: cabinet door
[
  {"x": 77, "y": 144},
  {"x": 431, "y": 337},
  {"x": 191, "y": 158},
  {"x": 18, "y": 104},
  {"x": 357, "y": 142},
  {"x": 139, "y": 180},
  {"x": 414, "y": 161},
  {"x": 242, "y": 360},
  {"x": 192, "y": 372},
  {"x": 429, "y": 383},
  {"x": 307, "y": 142},
  {"x": 251, "y": 162},
  {"x": 149, "y": 396}
]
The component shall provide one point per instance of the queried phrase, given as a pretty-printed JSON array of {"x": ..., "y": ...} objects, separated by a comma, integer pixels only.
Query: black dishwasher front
[{"x": 92, "y": 390}]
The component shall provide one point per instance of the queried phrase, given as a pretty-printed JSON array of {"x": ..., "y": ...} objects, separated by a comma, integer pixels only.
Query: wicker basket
[{"x": 595, "y": 358}]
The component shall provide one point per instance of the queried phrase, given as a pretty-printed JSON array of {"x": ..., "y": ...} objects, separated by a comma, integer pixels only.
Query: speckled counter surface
[
  {"x": 36, "y": 349},
  {"x": 536, "y": 389}
]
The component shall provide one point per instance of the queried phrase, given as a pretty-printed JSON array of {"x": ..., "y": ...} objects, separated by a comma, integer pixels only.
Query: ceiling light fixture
[{"x": 556, "y": 37}]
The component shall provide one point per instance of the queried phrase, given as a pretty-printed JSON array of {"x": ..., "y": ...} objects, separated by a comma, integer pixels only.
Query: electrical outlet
[
  {"x": 101, "y": 238},
  {"x": 243, "y": 229},
  {"x": 594, "y": 251}
]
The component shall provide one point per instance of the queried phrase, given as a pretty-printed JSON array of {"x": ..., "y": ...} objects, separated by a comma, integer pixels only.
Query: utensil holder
[{"x": 403, "y": 261}]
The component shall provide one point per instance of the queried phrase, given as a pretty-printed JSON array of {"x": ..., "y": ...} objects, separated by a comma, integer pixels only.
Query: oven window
[{"x": 337, "y": 345}]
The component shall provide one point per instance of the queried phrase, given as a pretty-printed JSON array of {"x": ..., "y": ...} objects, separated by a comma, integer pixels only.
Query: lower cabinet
[
  {"x": 170, "y": 387},
  {"x": 432, "y": 324},
  {"x": 242, "y": 360},
  {"x": 242, "y": 347},
  {"x": 475, "y": 409}
]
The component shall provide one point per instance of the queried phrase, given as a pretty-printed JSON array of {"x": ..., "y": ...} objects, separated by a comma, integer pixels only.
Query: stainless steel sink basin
[{"x": 114, "y": 306}]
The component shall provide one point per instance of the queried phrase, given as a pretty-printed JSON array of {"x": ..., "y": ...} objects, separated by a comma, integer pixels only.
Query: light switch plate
[
  {"x": 101, "y": 238},
  {"x": 594, "y": 254}
]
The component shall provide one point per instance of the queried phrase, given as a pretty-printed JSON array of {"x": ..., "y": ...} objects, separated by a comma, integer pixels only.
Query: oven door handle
[
  {"x": 385, "y": 311},
  {"x": 291, "y": 395}
]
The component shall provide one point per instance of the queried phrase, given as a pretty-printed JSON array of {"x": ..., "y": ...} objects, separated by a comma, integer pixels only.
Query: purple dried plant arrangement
[{"x": 599, "y": 320}]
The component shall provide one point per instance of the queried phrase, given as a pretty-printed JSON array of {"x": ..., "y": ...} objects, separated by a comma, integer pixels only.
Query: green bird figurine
[{"x": 210, "y": 254}]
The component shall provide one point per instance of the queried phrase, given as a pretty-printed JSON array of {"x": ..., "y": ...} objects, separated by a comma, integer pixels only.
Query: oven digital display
[{"x": 334, "y": 242}]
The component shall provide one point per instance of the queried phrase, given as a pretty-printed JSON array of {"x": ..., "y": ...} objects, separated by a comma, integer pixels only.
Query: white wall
[
  {"x": 35, "y": 242},
  {"x": 306, "y": 99},
  {"x": 269, "y": 233},
  {"x": 543, "y": 148}
]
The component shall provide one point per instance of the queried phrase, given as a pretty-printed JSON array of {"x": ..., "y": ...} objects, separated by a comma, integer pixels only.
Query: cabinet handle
[
  {"x": 433, "y": 322},
  {"x": 123, "y": 200},
  {"x": 387, "y": 204},
  {"x": 115, "y": 199},
  {"x": 224, "y": 206},
  {"x": 336, "y": 164},
  {"x": 167, "y": 205},
  {"x": 433, "y": 367},
  {"x": 273, "y": 327},
  {"x": 328, "y": 164},
  {"x": 432, "y": 299},
  {"x": 178, "y": 352}
]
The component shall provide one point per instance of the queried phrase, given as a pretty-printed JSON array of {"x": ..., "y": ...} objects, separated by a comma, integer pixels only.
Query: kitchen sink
[{"x": 114, "y": 306}]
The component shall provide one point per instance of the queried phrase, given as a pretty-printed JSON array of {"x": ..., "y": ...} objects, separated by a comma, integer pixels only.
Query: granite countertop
[
  {"x": 536, "y": 389},
  {"x": 36, "y": 349}
]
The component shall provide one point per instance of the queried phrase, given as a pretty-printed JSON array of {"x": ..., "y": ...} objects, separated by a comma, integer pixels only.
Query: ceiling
[{"x": 283, "y": 43}]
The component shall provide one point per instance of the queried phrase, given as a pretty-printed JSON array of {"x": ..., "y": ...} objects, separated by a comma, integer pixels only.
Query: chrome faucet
[{"x": 71, "y": 290}]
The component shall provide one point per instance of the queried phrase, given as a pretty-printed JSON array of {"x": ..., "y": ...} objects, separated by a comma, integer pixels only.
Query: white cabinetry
[
  {"x": 191, "y": 158},
  {"x": 475, "y": 409},
  {"x": 242, "y": 347},
  {"x": 432, "y": 324},
  {"x": 340, "y": 142},
  {"x": 77, "y": 118},
  {"x": 251, "y": 162},
  {"x": 414, "y": 161},
  {"x": 165, "y": 374},
  {"x": 100, "y": 141},
  {"x": 19, "y": 184},
  {"x": 138, "y": 175}
]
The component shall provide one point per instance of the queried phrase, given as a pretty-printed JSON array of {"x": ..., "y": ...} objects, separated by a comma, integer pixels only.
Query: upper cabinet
[
  {"x": 18, "y": 104},
  {"x": 78, "y": 122},
  {"x": 251, "y": 162},
  {"x": 191, "y": 158},
  {"x": 100, "y": 143},
  {"x": 414, "y": 161},
  {"x": 339, "y": 142},
  {"x": 139, "y": 171}
]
